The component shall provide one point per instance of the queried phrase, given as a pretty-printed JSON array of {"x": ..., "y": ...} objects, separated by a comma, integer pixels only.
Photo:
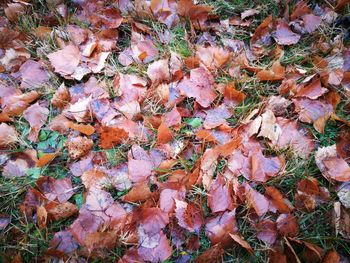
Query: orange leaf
[
  {"x": 45, "y": 159},
  {"x": 164, "y": 134},
  {"x": 110, "y": 136},
  {"x": 86, "y": 129},
  {"x": 237, "y": 238}
]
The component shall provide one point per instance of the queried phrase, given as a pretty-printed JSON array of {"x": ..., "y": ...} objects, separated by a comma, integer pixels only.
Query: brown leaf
[
  {"x": 269, "y": 128},
  {"x": 66, "y": 60},
  {"x": 32, "y": 75},
  {"x": 262, "y": 33},
  {"x": 111, "y": 136},
  {"x": 187, "y": 8},
  {"x": 14, "y": 10},
  {"x": 36, "y": 115},
  {"x": 312, "y": 90},
  {"x": 78, "y": 146},
  {"x": 41, "y": 214},
  {"x": 313, "y": 111},
  {"x": 94, "y": 178},
  {"x": 139, "y": 170},
  {"x": 59, "y": 124},
  {"x": 45, "y": 159},
  {"x": 157, "y": 252},
  {"x": 61, "y": 97},
  {"x": 284, "y": 36},
  {"x": 341, "y": 220},
  {"x": 287, "y": 225},
  {"x": 63, "y": 242},
  {"x": 248, "y": 13},
  {"x": 262, "y": 168},
  {"x": 267, "y": 231},
  {"x": 299, "y": 140},
  {"x": 86, "y": 129},
  {"x": 213, "y": 254},
  {"x": 169, "y": 195},
  {"x": 332, "y": 166},
  {"x": 277, "y": 200},
  {"x": 80, "y": 110},
  {"x": 172, "y": 118},
  {"x": 97, "y": 240},
  {"x": 212, "y": 57},
  {"x": 140, "y": 192},
  {"x": 15, "y": 105},
  {"x": 256, "y": 200},
  {"x": 55, "y": 189},
  {"x": 158, "y": 71},
  {"x": 341, "y": 4},
  {"x": 331, "y": 257},
  {"x": 238, "y": 239},
  {"x": 188, "y": 215},
  {"x": 199, "y": 86},
  {"x": 218, "y": 228},
  {"x": 56, "y": 211},
  {"x": 311, "y": 22},
  {"x": 216, "y": 117},
  {"x": 220, "y": 196},
  {"x": 309, "y": 194},
  {"x": 164, "y": 134},
  {"x": 275, "y": 73},
  {"x": 8, "y": 136}
]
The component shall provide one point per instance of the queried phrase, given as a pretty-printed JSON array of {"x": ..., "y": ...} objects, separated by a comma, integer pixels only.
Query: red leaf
[
  {"x": 188, "y": 215},
  {"x": 287, "y": 225}
]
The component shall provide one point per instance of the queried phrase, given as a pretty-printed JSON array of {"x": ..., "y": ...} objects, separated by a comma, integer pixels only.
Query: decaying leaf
[{"x": 332, "y": 166}]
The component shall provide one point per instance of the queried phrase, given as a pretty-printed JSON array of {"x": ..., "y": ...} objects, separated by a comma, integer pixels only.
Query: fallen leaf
[
  {"x": 139, "y": 170},
  {"x": 140, "y": 192},
  {"x": 41, "y": 214},
  {"x": 256, "y": 200},
  {"x": 277, "y": 72},
  {"x": 219, "y": 228},
  {"x": 213, "y": 57},
  {"x": 164, "y": 134},
  {"x": 216, "y": 117},
  {"x": 248, "y": 13},
  {"x": 287, "y": 225},
  {"x": 86, "y": 129},
  {"x": 277, "y": 200},
  {"x": 220, "y": 196},
  {"x": 61, "y": 97},
  {"x": 66, "y": 60},
  {"x": 199, "y": 86},
  {"x": 332, "y": 166},
  {"x": 331, "y": 257},
  {"x": 267, "y": 231},
  {"x": 213, "y": 254},
  {"x": 111, "y": 136},
  {"x": 284, "y": 36},
  {"x": 188, "y": 215},
  {"x": 45, "y": 159},
  {"x": 311, "y": 22},
  {"x": 9, "y": 136},
  {"x": 78, "y": 146},
  {"x": 238, "y": 239},
  {"x": 312, "y": 90},
  {"x": 60, "y": 211},
  {"x": 158, "y": 71},
  {"x": 32, "y": 75},
  {"x": 36, "y": 115}
]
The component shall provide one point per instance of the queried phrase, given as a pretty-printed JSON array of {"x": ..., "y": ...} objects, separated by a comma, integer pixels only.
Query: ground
[{"x": 26, "y": 240}]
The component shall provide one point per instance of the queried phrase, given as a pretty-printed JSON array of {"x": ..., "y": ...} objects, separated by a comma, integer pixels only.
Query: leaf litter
[{"x": 143, "y": 154}]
